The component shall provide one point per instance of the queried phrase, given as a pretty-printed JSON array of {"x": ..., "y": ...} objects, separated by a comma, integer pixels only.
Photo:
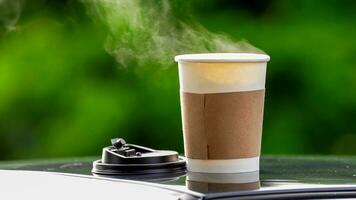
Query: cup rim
[{"x": 222, "y": 57}]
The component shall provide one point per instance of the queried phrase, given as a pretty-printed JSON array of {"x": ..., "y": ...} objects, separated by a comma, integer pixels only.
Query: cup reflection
[{"x": 219, "y": 182}]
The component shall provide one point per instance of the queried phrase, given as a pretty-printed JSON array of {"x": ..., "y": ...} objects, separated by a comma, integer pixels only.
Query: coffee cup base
[{"x": 224, "y": 166}]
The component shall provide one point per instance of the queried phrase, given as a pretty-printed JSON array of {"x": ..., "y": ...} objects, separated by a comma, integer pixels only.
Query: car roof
[{"x": 281, "y": 175}]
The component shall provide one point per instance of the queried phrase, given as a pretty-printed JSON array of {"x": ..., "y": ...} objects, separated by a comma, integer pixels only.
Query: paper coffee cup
[
  {"x": 222, "y": 100},
  {"x": 222, "y": 182}
]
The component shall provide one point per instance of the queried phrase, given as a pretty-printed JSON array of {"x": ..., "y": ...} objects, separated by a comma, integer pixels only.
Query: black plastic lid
[{"x": 129, "y": 159}]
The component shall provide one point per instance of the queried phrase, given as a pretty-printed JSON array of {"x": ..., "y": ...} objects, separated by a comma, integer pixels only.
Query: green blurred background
[{"x": 62, "y": 94}]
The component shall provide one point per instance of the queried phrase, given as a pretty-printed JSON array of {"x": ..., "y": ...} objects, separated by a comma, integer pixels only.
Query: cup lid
[
  {"x": 123, "y": 159},
  {"x": 222, "y": 57}
]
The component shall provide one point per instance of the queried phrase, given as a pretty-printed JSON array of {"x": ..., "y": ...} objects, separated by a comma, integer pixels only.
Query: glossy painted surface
[{"x": 277, "y": 173}]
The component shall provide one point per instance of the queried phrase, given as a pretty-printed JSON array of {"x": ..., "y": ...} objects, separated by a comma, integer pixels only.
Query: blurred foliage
[{"x": 62, "y": 95}]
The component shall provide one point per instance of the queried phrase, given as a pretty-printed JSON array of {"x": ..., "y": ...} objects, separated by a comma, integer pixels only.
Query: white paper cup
[{"x": 222, "y": 97}]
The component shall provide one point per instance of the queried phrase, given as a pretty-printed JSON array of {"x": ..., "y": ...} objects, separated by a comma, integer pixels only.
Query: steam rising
[
  {"x": 146, "y": 31},
  {"x": 10, "y": 11},
  {"x": 143, "y": 31}
]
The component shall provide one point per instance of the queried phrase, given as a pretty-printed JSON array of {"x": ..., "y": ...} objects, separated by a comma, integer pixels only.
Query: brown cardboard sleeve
[{"x": 222, "y": 125}]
